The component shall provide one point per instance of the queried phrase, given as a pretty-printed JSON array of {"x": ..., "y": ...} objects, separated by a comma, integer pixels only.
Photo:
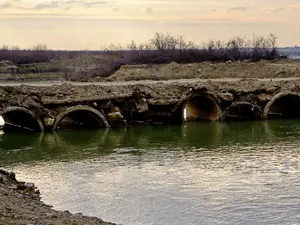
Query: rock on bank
[{"x": 20, "y": 204}]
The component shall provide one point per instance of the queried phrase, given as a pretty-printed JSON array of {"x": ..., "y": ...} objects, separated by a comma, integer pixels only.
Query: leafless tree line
[{"x": 162, "y": 48}]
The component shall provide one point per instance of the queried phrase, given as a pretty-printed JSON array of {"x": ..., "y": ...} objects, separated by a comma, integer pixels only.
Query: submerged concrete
[
  {"x": 173, "y": 101},
  {"x": 242, "y": 111},
  {"x": 81, "y": 115}
]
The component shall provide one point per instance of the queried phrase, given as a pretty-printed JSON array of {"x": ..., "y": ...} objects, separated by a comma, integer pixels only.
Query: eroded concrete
[{"x": 144, "y": 102}]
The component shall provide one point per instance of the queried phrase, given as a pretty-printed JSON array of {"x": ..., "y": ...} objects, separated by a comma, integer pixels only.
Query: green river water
[{"x": 190, "y": 174}]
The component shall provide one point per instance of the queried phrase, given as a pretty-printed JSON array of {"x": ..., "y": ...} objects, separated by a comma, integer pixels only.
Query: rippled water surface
[{"x": 197, "y": 173}]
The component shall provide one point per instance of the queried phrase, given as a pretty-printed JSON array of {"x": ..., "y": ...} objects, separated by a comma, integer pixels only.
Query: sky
[{"x": 95, "y": 24}]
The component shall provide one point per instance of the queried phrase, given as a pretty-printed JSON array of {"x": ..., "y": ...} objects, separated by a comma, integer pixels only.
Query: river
[{"x": 191, "y": 174}]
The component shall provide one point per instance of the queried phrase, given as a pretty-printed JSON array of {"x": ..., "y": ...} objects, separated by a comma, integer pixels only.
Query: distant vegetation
[{"x": 162, "y": 48}]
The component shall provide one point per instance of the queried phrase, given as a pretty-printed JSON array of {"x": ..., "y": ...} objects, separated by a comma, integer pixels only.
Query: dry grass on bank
[
  {"x": 208, "y": 70},
  {"x": 161, "y": 49}
]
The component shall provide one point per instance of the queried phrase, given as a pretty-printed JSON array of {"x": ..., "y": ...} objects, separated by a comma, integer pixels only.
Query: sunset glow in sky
[{"x": 93, "y": 24}]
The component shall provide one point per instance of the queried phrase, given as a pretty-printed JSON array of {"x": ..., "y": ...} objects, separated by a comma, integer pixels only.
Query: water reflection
[
  {"x": 19, "y": 141},
  {"x": 197, "y": 173},
  {"x": 82, "y": 144}
]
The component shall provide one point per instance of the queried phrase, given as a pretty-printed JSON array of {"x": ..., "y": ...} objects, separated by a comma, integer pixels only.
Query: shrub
[{"x": 162, "y": 48}]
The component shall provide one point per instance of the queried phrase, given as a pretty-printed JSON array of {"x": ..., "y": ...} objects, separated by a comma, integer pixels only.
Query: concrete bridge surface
[{"x": 48, "y": 106}]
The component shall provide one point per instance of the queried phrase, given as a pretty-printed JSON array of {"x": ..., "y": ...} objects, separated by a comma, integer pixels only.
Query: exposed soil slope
[{"x": 209, "y": 70}]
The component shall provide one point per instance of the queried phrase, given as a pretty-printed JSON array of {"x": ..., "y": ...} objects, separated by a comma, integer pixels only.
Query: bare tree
[
  {"x": 66, "y": 68},
  {"x": 5, "y": 47},
  {"x": 40, "y": 47},
  {"x": 163, "y": 42},
  {"x": 273, "y": 40}
]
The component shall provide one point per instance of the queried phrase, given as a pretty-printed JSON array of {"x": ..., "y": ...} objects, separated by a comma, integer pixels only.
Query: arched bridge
[{"x": 45, "y": 107}]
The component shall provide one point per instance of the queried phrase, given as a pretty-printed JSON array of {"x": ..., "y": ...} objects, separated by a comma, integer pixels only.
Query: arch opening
[
  {"x": 80, "y": 117},
  {"x": 20, "y": 119},
  {"x": 200, "y": 107},
  {"x": 242, "y": 111},
  {"x": 283, "y": 106}
]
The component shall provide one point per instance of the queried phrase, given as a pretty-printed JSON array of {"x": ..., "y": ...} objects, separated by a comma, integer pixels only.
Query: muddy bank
[
  {"x": 204, "y": 70},
  {"x": 156, "y": 93},
  {"x": 20, "y": 203},
  {"x": 209, "y": 70}
]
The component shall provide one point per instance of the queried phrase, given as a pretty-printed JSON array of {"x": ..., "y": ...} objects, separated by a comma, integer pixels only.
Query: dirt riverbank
[
  {"x": 205, "y": 70},
  {"x": 20, "y": 204},
  {"x": 208, "y": 70}
]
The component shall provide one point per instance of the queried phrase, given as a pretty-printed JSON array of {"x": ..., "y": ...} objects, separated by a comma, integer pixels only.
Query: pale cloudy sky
[{"x": 92, "y": 24}]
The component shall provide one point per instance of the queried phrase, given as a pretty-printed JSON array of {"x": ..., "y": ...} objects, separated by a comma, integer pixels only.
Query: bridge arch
[
  {"x": 242, "y": 111},
  {"x": 200, "y": 106},
  {"x": 283, "y": 105},
  {"x": 80, "y": 116},
  {"x": 19, "y": 118}
]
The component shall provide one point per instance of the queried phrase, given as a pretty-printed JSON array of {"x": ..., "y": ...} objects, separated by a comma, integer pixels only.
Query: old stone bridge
[{"x": 46, "y": 107}]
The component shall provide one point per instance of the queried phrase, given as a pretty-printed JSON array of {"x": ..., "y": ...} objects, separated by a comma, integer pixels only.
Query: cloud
[
  {"x": 67, "y": 5},
  {"x": 149, "y": 10},
  {"x": 10, "y": 4},
  {"x": 171, "y": 1},
  {"x": 294, "y": 6},
  {"x": 56, "y": 4},
  {"x": 95, "y": 3},
  {"x": 6, "y": 5},
  {"x": 72, "y": 2},
  {"x": 278, "y": 9},
  {"x": 51, "y": 5},
  {"x": 238, "y": 8}
]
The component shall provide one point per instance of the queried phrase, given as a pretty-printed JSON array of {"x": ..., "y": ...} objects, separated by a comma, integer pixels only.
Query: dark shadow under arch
[
  {"x": 283, "y": 105},
  {"x": 20, "y": 119},
  {"x": 80, "y": 116},
  {"x": 242, "y": 111}
]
